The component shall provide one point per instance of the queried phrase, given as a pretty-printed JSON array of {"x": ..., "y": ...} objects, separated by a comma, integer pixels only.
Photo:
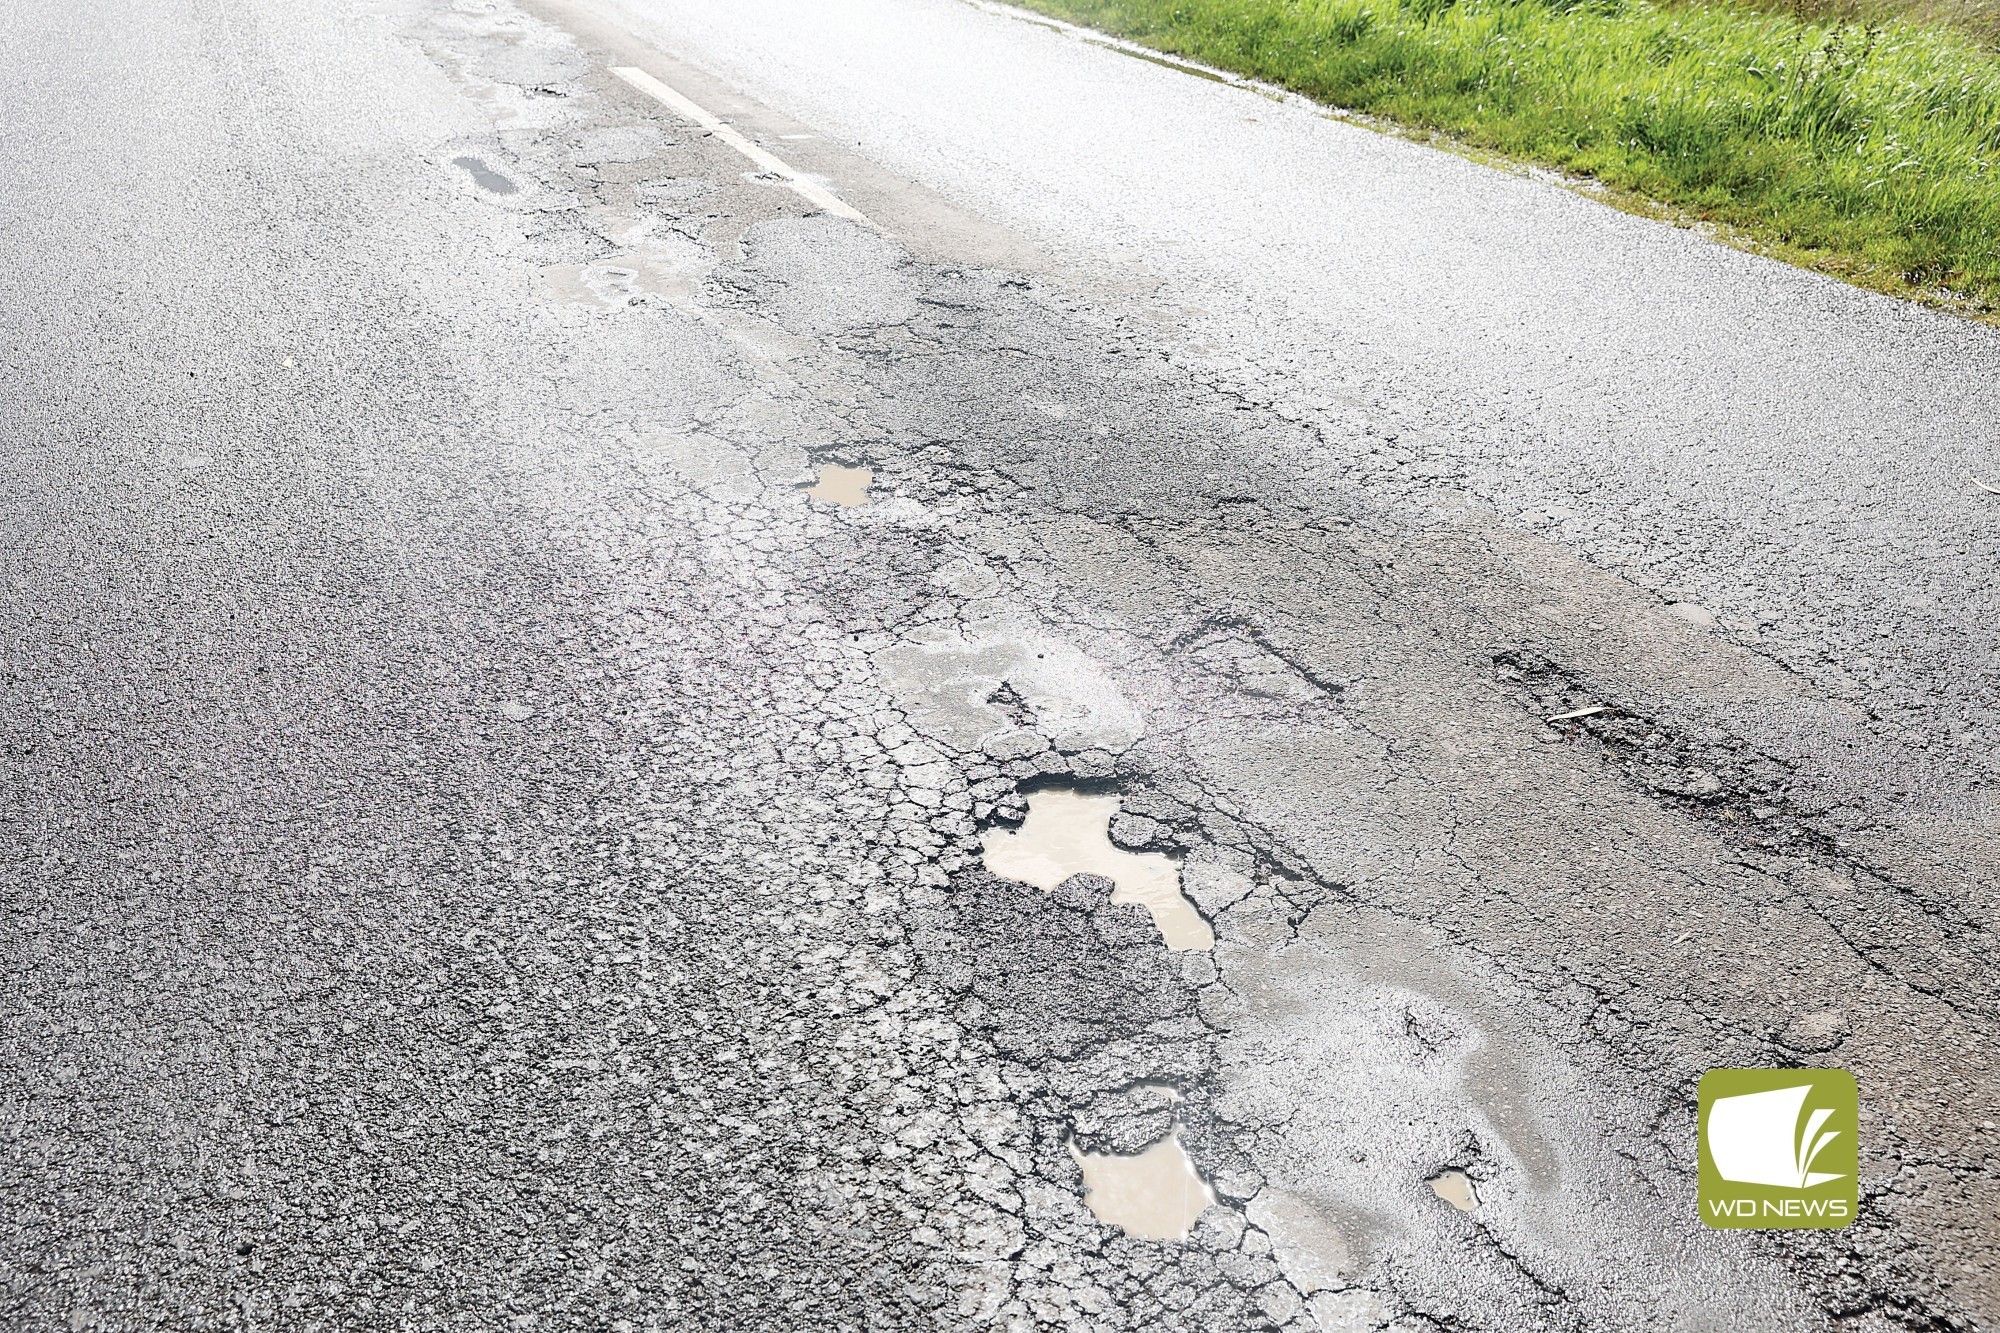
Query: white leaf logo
[{"x": 1768, "y": 1138}]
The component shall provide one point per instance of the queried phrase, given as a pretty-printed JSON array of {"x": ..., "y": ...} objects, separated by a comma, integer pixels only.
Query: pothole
[
  {"x": 1068, "y": 833},
  {"x": 946, "y": 677},
  {"x": 485, "y": 177},
  {"x": 839, "y": 485},
  {"x": 1153, "y": 1195},
  {"x": 1455, "y": 1188}
]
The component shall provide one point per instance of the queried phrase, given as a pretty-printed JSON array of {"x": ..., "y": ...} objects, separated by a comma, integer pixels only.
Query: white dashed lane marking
[{"x": 817, "y": 195}]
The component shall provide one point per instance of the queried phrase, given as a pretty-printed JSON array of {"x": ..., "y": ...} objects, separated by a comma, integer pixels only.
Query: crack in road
[{"x": 663, "y": 983}]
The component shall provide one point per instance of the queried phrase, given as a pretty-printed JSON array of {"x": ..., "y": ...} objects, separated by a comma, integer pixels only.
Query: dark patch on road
[{"x": 485, "y": 177}]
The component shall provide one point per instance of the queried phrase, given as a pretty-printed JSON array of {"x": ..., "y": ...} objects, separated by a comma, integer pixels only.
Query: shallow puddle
[
  {"x": 1067, "y": 833},
  {"x": 485, "y": 177},
  {"x": 842, "y": 485},
  {"x": 1155, "y": 1195},
  {"x": 1455, "y": 1188}
]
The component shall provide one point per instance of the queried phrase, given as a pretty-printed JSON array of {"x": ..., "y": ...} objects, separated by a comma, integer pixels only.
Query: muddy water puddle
[
  {"x": 1068, "y": 833},
  {"x": 845, "y": 486},
  {"x": 1153, "y": 1195},
  {"x": 1455, "y": 1188}
]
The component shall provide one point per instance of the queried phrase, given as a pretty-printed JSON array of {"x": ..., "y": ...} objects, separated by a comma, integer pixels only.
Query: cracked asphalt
[{"x": 486, "y": 849}]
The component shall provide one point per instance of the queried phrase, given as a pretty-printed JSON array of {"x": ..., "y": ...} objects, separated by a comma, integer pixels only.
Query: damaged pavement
[{"x": 496, "y": 842}]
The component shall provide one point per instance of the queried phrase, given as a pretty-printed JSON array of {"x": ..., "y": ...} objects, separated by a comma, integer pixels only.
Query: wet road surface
[{"x": 526, "y": 636}]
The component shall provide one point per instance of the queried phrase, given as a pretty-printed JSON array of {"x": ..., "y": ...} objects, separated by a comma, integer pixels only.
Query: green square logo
[{"x": 1778, "y": 1148}]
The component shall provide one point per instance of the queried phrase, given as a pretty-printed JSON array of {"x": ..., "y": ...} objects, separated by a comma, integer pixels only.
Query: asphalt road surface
[{"x": 497, "y": 813}]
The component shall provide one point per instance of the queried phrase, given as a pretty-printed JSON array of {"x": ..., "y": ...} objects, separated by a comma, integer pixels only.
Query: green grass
[{"x": 1861, "y": 141}]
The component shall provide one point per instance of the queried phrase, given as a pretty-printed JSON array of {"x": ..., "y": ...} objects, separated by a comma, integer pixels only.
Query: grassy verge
[{"x": 1866, "y": 147}]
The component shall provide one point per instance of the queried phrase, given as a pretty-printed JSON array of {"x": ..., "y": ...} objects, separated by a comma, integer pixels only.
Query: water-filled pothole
[
  {"x": 1154, "y": 1195},
  {"x": 485, "y": 177},
  {"x": 842, "y": 485},
  {"x": 1455, "y": 1188},
  {"x": 1067, "y": 833}
]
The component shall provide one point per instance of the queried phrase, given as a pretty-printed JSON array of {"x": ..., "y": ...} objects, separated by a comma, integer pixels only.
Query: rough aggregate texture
[{"x": 470, "y": 866}]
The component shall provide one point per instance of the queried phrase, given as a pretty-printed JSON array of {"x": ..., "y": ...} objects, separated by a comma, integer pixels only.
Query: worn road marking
[{"x": 817, "y": 195}]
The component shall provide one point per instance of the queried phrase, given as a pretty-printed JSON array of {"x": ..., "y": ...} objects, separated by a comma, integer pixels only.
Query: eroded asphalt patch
[{"x": 697, "y": 1000}]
